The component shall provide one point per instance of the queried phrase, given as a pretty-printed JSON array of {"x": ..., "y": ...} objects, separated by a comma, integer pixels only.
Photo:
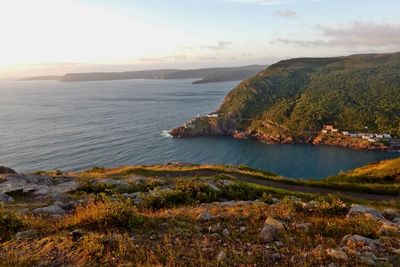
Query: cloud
[
  {"x": 208, "y": 58},
  {"x": 287, "y": 13},
  {"x": 357, "y": 34},
  {"x": 222, "y": 45},
  {"x": 163, "y": 59},
  {"x": 271, "y": 2}
]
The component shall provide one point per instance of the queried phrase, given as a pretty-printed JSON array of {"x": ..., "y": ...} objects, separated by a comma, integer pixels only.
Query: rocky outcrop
[
  {"x": 348, "y": 142},
  {"x": 5, "y": 198},
  {"x": 356, "y": 210},
  {"x": 49, "y": 210},
  {"x": 270, "y": 133},
  {"x": 5, "y": 170},
  {"x": 38, "y": 186}
]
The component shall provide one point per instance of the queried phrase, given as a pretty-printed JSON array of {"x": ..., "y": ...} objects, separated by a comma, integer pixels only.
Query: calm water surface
[{"x": 72, "y": 126}]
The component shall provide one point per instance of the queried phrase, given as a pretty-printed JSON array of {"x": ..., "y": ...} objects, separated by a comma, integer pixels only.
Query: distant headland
[{"x": 205, "y": 75}]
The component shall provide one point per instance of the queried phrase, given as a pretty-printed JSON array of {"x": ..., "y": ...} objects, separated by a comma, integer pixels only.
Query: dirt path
[{"x": 283, "y": 185}]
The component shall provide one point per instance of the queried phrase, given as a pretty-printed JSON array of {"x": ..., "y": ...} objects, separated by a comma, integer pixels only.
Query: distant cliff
[{"x": 291, "y": 100}]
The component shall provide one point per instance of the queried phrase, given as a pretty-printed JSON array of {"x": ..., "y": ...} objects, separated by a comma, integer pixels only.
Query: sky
[{"x": 53, "y": 37}]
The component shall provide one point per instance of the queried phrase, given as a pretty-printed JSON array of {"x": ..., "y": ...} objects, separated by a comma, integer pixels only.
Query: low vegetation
[{"x": 191, "y": 215}]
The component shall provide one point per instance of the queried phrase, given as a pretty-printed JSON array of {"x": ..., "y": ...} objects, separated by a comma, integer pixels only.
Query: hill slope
[
  {"x": 187, "y": 215},
  {"x": 296, "y": 96}
]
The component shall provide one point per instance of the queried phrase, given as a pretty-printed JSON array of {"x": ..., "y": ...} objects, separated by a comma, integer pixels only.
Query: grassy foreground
[{"x": 191, "y": 215}]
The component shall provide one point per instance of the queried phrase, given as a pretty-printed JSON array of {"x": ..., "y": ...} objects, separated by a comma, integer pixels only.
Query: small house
[{"x": 329, "y": 129}]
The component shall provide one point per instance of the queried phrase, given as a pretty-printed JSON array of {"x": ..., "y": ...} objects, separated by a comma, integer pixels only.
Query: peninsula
[
  {"x": 206, "y": 75},
  {"x": 292, "y": 100}
]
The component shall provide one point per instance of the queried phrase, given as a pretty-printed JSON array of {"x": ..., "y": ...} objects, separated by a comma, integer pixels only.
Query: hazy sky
[{"x": 58, "y": 36}]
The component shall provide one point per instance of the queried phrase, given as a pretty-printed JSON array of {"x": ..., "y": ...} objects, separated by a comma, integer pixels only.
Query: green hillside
[{"x": 303, "y": 94}]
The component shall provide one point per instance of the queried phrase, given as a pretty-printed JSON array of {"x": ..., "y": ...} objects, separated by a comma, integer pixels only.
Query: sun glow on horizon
[{"x": 43, "y": 32}]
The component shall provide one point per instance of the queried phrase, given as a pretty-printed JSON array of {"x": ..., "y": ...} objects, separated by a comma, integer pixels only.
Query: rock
[
  {"x": 311, "y": 205},
  {"x": 366, "y": 211},
  {"x": 303, "y": 226},
  {"x": 367, "y": 259},
  {"x": 277, "y": 224},
  {"x": 390, "y": 214},
  {"x": 76, "y": 235},
  {"x": 113, "y": 182},
  {"x": 270, "y": 229},
  {"x": 267, "y": 234},
  {"x": 213, "y": 187},
  {"x": 24, "y": 235},
  {"x": 275, "y": 200},
  {"x": 337, "y": 254},
  {"x": 69, "y": 206},
  {"x": 242, "y": 229},
  {"x": 50, "y": 210},
  {"x": 39, "y": 186},
  {"x": 6, "y": 198},
  {"x": 204, "y": 216},
  {"x": 357, "y": 242},
  {"x": 225, "y": 232},
  {"x": 134, "y": 196},
  {"x": 396, "y": 221},
  {"x": 5, "y": 170},
  {"x": 226, "y": 182},
  {"x": 221, "y": 256}
]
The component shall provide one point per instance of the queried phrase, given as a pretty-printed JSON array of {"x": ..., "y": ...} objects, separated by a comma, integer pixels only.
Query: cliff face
[{"x": 291, "y": 100}]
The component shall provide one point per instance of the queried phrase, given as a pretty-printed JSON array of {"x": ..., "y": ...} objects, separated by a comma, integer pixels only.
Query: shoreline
[{"x": 318, "y": 140}]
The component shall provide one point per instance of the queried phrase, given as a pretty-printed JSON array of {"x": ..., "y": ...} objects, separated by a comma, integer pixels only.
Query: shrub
[
  {"x": 9, "y": 223},
  {"x": 103, "y": 216}
]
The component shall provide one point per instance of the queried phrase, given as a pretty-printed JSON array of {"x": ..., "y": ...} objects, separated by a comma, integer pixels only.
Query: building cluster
[{"x": 371, "y": 137}]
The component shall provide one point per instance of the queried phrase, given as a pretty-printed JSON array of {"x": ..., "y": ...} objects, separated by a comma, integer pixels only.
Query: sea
[{"x": 48, "y": 125}]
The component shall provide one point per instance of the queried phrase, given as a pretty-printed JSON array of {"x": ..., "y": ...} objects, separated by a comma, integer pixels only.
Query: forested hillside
[{"x": 303, "y": 94}]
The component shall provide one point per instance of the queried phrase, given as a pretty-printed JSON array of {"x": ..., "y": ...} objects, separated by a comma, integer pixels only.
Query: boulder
[
  {"x": 270, "y": 230},
  {"x": 356, "y": 210},
  {"x": 50, "y": 210},
  {"x": 204, "y": 216},
  {"x": 276, "y": 224},
  {"x": 213, "y": 186},
  {"x": 6, "y": 170},
  {"x": 390, "y": 214},
  {"x": 357, "y": 242},
  {"x": 225, "y": 232},
  {"x": 24, "y": 235},
  {"x": 338, "y": 254},
  {"x": 6, "y": 198}
]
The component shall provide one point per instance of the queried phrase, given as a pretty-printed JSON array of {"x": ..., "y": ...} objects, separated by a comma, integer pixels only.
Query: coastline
[{"x": 212, "y": 126}]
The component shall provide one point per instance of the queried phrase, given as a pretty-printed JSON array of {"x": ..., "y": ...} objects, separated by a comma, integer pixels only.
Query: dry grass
[{"x": 173, "y": 237}]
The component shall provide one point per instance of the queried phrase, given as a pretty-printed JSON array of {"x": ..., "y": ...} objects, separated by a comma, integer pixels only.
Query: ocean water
[{"x": 72, "y": 126}]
